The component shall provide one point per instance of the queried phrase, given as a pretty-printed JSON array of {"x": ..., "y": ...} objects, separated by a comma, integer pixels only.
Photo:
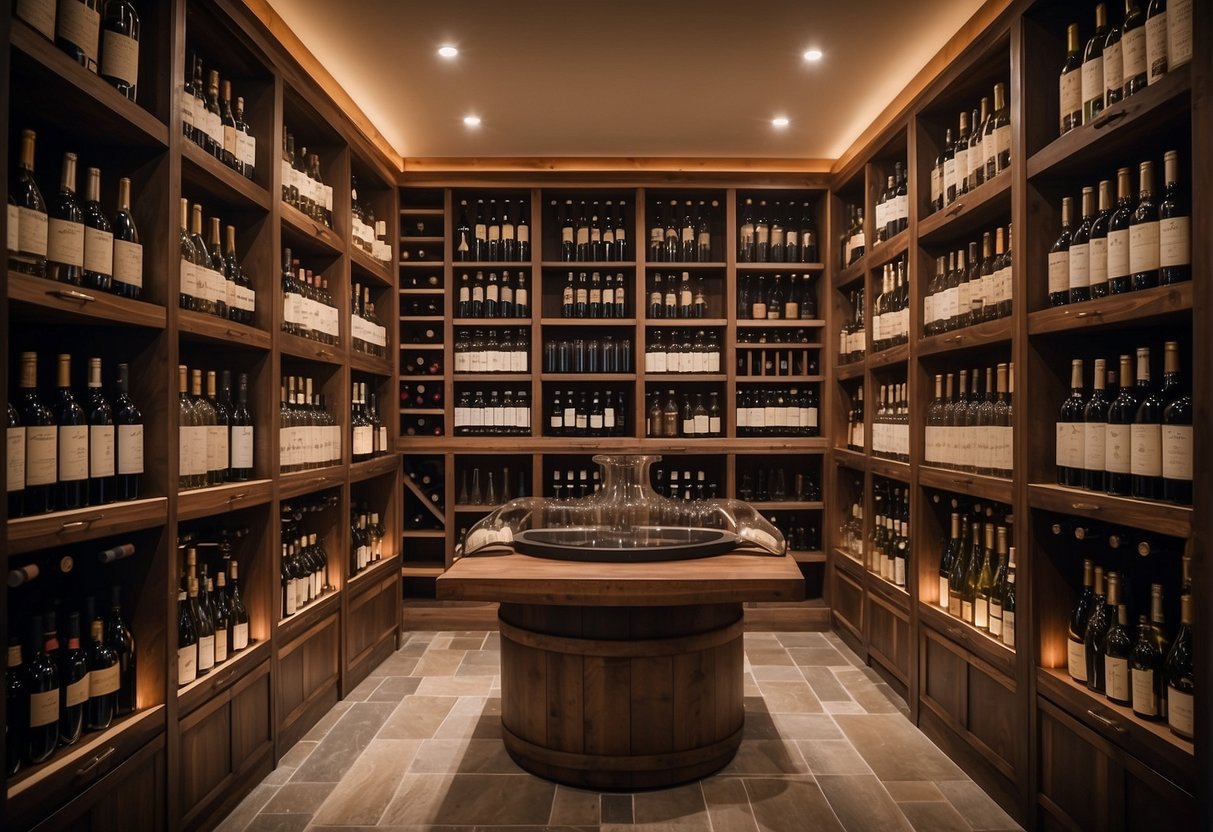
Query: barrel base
[{"x": 622, "y": 697}]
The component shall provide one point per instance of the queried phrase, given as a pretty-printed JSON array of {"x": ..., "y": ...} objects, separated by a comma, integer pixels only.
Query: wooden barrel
[{"x": 622, "y": 697}]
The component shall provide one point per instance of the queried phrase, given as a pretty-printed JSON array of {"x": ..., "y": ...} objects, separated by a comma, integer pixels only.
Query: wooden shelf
[
  {"x": 354, "y": 583},
  {"x": 853, "y": 273},
  {"x": 889, "y": 468},
  {"x": 980, "y": 209},
  {"x": 422, "y": 212},
  {"x": 304, "y": 234},
  {"x": 219, "y": 499},
  {"x": 855, "y": 460},
  {"x": 888, "y": 251},
  {"x": 367, "y": 266},
  {"x": 588, "y": 265},
  {"x": 478, "y": 509},
  {"x": 767, "y": 268},
  {"x": 205, "y": 176},
  {"x": 423, "y": 411},
  {"x": 482, "y": 265},
  {"x": 198, "y": 326},
  {"x": 899, "y": 354},
  {"x": 486, "y": 323},
  {"x": 788, "y": 505},
  {"x": 1000, "y": 489},
  {"x": 813, "y": 556},
  {"x": 1163, "y": 518},
  {"x": 978, "y": 642},
  {"x": 1160, "y": 305},
  {"x": 779, "y": 379},
  {"x": 421, "y": 238},
  {"x": 371, "y": 364},
  {"x": 846, "y": 372},
  {"x": 425, "y": 264},
  {"x": 491, "y": 377},
  {"x": 425, "y": 534},
  {"x": 322, "y": 607},
  {"x": 421, "y": 571},
  {"x": 588, "y": 321},
  {"x": 984, "y": 334},
  {"x": 298, "y": 483},
  {"x": 684, "y": 323},
  {"x": 38, "y": 299},
  {"x": 423, "y": 290},
  {"x": 594, "y": 377},
  {"x": 675, "y": 378},
  {"x": 61, "y": 528},
  {"x": 296, "y": 346},
  {"x": 1120, "y": 132},
  {"x": 891, "y": 592},
  {"x": 780, "y": 323},
  {"x": 849, "y": 564},
  {"x": 371, "y": 468},
  {"x": 200, "y": 691}
]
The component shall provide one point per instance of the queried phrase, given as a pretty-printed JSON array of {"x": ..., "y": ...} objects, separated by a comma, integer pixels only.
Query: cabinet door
[
  {"x": 252, "y": 728},
  {"x": 1077, "y": 769},
  {"x": 308, "y": 671},
  {"x": 371, "y": 628},
  {"x": 130, "y": 797},
  {"x": 889, "y": 637},
  {"x": 205, "y": 760},
  {"x": 847, "y": 602}
]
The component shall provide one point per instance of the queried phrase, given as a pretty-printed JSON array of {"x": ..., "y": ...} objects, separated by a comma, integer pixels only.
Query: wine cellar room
[{"x": 677, "y": 416}]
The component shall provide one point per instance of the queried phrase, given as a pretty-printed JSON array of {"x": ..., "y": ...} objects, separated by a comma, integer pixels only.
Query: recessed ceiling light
[
  {"x": 779, "y": 121},
  {"x": 448, "y": 51},
  {"x": 813, "y": 55},
  {"x": 471, "y": 121}
]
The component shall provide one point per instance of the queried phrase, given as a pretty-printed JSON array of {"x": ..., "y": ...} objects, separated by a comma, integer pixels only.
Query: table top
[{"x": 522, "y": 579}]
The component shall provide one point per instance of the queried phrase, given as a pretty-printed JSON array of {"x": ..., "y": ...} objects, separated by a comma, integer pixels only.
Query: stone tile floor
[{"x": 418, "y": 746}]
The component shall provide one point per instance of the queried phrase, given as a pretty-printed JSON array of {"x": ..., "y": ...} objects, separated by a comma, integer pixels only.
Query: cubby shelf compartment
[
  {"x": 981, "y": 208},
  {"x": 218, "y": 499},
  {"x": 371, "y": 468},
  {"x": 984, "y": 334},
  {"x": 297, "y": 483},
  {"x": 206, "y": 176},
  {"x": 210, "y": 328},
  {"x": 1162, "y": 304},
  {"x": 202, "y": 689},
  {"x": 999, "y": 489},
  {"x": 1162, "y": 518},
  {"x": 50, "y": 301},
  {"x": 60, "y": 528},
  {"x": 299, "y": 228}
]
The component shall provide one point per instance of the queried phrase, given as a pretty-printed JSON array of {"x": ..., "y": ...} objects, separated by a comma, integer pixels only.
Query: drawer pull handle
[
  {"x": 1084, "y": 506},
  {"x": 1103, "y": 720},
  {"x": 237, "y": 497},
  {"x": 957, "y": 633},
  {"x": 96, "y": 761},
  {"x": 80, "y": 525},
  {"x": 1112, "y": 119},
  {"x": 962, "y": 481},
  {"x": 72, "y": 294},
  {"x": 960, "y": 206},
  {"x": 225, "y": 682},
  {"x": 233, "y": 333}
]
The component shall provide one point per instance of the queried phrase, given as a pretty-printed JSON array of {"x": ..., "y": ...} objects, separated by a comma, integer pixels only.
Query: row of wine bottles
[
  {"x": 853, "y": 335},
  {"x": 1151, "y": 675},
  {"x": 856, "y": 428},
  {"x": 891, "y": 544},
  {"x": 215, "y": 434},
  {"x": 853, "y": 240},
  {"x": 689, "y": 487},
  {"x": 677, "y": 297},
  {"x": 499, "y": 298},
  {"x": 893, "y": 206},
  {"x": 303, "y": 185},
  {"x": 366, "y": 540},
  {"x": 72, "y": 242},
  {"x": 891, "y": 423},
  {"x": 309, "y": 435},
  {"x": 971, "y": 431},
  {"x": 683, "y": 234},
  {"x": 212, "y": 621},
  {"x": 1122, "y": 248},
  {"x": 594, "y": 296},
  {"x": 588, "y": 355},
  {"x": 965, "y": 292},
  {"x": 1120, "y": 61},
  {"x": 476, "y": 352},
  {"x": 57, "y": 689},
  {"x": 766, "y": 411},
  {"x": 774, "y": 335},
  {"x": 493, "y": 412},
  {"x": 682, "y": 351},
  {"x": 209, "y": 120},
  {"x": 71, "y": 455},
  {"x": 420, "y": 395},
  {"x": 977, "y": 573},
  {"x": 770, "y": 484},
  {"x": 369, "y": 437},
  {"x": 368, "y": 233},
  {"x": 683, "y": 415},
  {"x": 592, "y": 233},
  {"x": 103, "y": 37},
  {"x": 775, "y": 236},
  {"x": 801, "y": 533},
  {"x": 891, "y": 311},
  {"x": 582, "y": 413},
  {"x": 303, "y": 573},
  {"x": 308, "y": 309},
  {"x": 422, "y": 363},
  {"x": 981, "y": 151},
  {"x": 494, "y": 489},
  {"x": 367, "y": 335},
  {"x": 1128, "y": 438},
  {"x": 774, "y": 362},
  {"x": 212, "y": 280},
  {"x": 498, "y": 236},
  {"x": 797, "y": 302}
]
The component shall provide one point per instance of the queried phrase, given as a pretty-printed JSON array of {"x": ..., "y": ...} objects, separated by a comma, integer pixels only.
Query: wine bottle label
[
  {"x": 1080, "y": 266},
  {"x": 246, "y": 149},
  {"x": 43, "y": 708},
  {"x": 100, "y": 451},
  {"x": 217, "y": 448},
  {"x": 966, "y": 610},
  {"x": 1117, "y": 449},
  {"x": 1094, "y": 451},
  {"x": 240, "y": 636},
  {"x": 198, "y": 449},
  {"x": 1143, "y": 247},
  {"x": 104, "y": 681},
  {"x": 41, "y": 454},
  {"x": 220, "y": 645},
  {"x": 1118, "y": 253},
  {"x": 120, "y": 57},
  {"x": 1177, "y": 452},
  {"x": 1116, "y": 678},
  {"x": 1071, "y": 444},
  {"x": 583, "y": 295},
  {"x": 1076, "y": 659},
  {"x": 1133, "y": 44},
  {"x": 187, "y": 664},
  {"x": 128, "y": 263},
  {"x": 1070, "y": 86},
  {"x": 1059, "y": 272},
  {"x": 73, "y": 452},
  {"x": 32, "y": 232},
  {"x": 1092, "y": 88},
  {"x": 80, "y": 25},
  {"x": 1180, "y": 712},
  {"x": 1146, "y": 455},
  {"x": 229, "y": 139},
  {"x": 15, "y": 459},
  {"x": 76, "y": 693},
  {"x": 98, "y": 251},
  {"x": 1145, "y": 701},
  {"x": 65, "y": 240},
  {"x": 1113, "y": 69},
  {"x": 1008, "y": 628},
  {"x": 995, "y": 617},
  {"x": 1156, "y": 47},
  {"x": 206, "y": 652},
  {"x": 1175, "y": 241},
  {"x": 14, "y": 229},
  {"x": 954, "y": 605},
  {"x": 130, "y": 449},
  {"x": 40, "y": 14},
  {"x": 1097, "y": 268},
  {"x": 1179, "y": 32}
]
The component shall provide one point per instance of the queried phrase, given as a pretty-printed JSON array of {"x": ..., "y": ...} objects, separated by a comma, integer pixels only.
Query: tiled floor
[{"x": 418, "y": 746}]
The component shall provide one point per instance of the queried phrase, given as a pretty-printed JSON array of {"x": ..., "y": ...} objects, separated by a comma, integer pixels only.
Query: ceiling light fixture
[
  {"x": 779, "y": 121},
  {"x": 813, "y": 55},
  {"x": 471, "y": 121},
  {"x": 448, "y": 51}
]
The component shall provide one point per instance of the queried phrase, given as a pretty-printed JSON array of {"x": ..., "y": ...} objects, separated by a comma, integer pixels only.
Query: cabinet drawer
[
  {"x": 129, "y": 797},
  {"x": 847, "y": 603}
]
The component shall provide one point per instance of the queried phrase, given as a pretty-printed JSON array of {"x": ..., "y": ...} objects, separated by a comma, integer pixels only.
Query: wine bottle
[
  {"x": 103, "y": 675},
  {"x": 1098, "y": 268},
  {"x": 1156, "y": 41},
  {"x": 1095, "y": 415},
  {"x": 1144, "y": 234},
  {"x": 78, "y": 30},
  {"x": 1098, "y": 624},
  {"x": 16, "y": 706},
  {"x": 1133, "y": 43},
  {"x": 1118, "y": 647},
  {"x": 1071, "y": 435},
  {"x": 41, "y": 441},
  {"x": 26, "y": 215},
  {"x": 187, "y": 641},
  {"x": 1176, "y": 433},
  {"x": 239, "y": 622},
  {"x": 1147, "y": 663},
  {"x": 73, "y": 452},
  {"x": 1070, "y": 83},
  {"x": 101, "y": 440},
  {"x": 42, "y": 683},
  {"x": 1059, "y": 259},
  {"x": 1145, "y": 462},
  {"x": 65, "y": 229},
  {"x": 1092, "y": 68},
  {"x": 1080, "y": 251},
  {"x": 959, "y": 570},
  {"x": 74, "y": 684},
  {"x": 1180, "y": 674},
  {"x": 205, "y": 628},
  {"x": 985, "y": 582},
  {"x": 1118, "y": 445},
  {"x": 1174, "y": 227},
  {"x": 1119, "y": 234},
  {"x": 1008, "y": 601},
  {"x": 127, "y": 269},
  {"x": 119, "y": 637},
  {"x": 120, "y": 47}
]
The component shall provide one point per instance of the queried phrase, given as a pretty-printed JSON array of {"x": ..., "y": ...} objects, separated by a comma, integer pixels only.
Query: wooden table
[{"x": 622, "y": 675}]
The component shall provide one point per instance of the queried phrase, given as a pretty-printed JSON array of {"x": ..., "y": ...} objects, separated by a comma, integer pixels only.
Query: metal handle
[
  {"x": 322, "y": 353},
  {"x": 1085, "y": 507},
  {"x": 1103, "y": 720},
  {"x": 226, "y": 681},
  {"x": 72, "y": 294},
  {"x": 96, "y": 761},
  {"x": 236, "y": 497},
  {"x": 962, "y": 481},
  {"x": 957, "y": 633},
  {"x": 1112, "y": 119},
  {"x": 76, "y": 525},
  {"x": 233, "y": 333},
  {"x": 957, "y": 209}
]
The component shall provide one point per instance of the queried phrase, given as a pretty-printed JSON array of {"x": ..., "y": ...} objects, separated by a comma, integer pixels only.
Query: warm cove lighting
[
  {"x": 471, "y": 121},
  {"x": 448, "y": 51},
  {"x": 779, "y": 121},
  {"x": 812, "y": 55}
]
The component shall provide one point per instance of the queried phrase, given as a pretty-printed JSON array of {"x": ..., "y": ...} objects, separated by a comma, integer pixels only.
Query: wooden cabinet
[
  {"x": 309, "y": 665},
  {"x": 889, "y": 641},
  {"x": 372, "y": 621},
  {"x": 130, "y": 797}
]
